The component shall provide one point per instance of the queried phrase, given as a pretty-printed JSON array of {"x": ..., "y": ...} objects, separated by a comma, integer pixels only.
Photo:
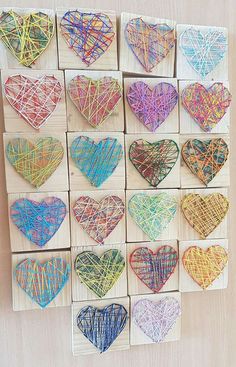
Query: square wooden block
[
  {"x": 80, "y": 291},
  {"x": 135, "y": 233},
  {"x": 188, "y": 125},
  {"x": 15, "y": 123},
  {"x": 135, "y": 285},
  {"x": 79, "y": 237},
  {"x": 189, "y": 179},
  {"x": 134, "y": 179},
  {"x": 19, "y": 242},
  {"x": 58, "y": 181},
  {"x": 185, "y": 70},
  {"x": 78, "y": 181},
  {"x": 47, "y": 60},
  {"x": 21, "y": 300},
  {"x": 76, "y": 121},
  {"x": 133, "y": 125},
  {"x": 186, "y": 283},
  {"x": 137, "y": 336},
  {"x": 128, "y": 61},
  {"x": 68, "y": 59},
  {"x": 81, "y": 345}
]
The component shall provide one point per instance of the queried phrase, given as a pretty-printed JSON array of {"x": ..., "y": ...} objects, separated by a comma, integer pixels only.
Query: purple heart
[
  {"x": 156, "y": 319},
  {"x": 152, "y": 106}
]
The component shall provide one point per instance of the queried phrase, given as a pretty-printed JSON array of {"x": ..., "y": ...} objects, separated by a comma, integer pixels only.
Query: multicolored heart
[
  {"x": 42, "y": 282},
  {"x": 104, "y": 95},
  {"x": 206, "y": 106},
  {"x": 152, "y": 106}
]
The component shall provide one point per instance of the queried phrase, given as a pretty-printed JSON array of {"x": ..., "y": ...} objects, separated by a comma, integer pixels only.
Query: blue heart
[{"x": 96, "y": 161}]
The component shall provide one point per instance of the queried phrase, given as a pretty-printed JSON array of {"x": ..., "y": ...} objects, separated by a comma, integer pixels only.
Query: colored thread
[
  {"x": 154, "y": 161},
  {"x": 89, "y": 35},
  {"x": 26, "y": 36},
  {"x": 152, "y": 106},
  {"x": 35, "y": 162},
  {"x": 99, "y": 274},
  {"x": 102, "y": 327},
  {"x": 95, "y": 99}
]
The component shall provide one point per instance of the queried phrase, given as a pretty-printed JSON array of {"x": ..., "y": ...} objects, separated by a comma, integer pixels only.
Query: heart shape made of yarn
[
  {"x": 156, "y": 319},
  {"x": 152, "y": 106},
  {"x": 26, "y": 36},
  {"x": 154, "y": 161},
  {"x": 102, "y": 326},
  {"x": 89, "y": 35},
  {"x": 35, "y": 162},
  {"x": 98, "y": 219},
  {"x": 42, "y": 281},
  {"x": 203, "y": 51},
  {"x": 97, "y": 161},
  {"x": 204, "y": 266},
  {"x": 95, "y": 99},
  {"x": 150, "y": 43},
  {"x": 204, "y": 214},
  {"x": 154, "y": 269},
  {"x": 205, "y": 158},
  {"x": 38, "y": 221},
  {"x": 152, "y": 213},
  {"x": 207, "y": 106},
  {"x": 99, "y": 274}
]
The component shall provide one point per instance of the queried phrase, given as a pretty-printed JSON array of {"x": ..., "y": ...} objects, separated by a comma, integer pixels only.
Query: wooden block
[
  {"x": 79, "y": 237},
  {"x": 58, "y": 181},
  {"x": 61, "y": 239},
  {"x": 187, "y": 123},
  {"x": 80, "y": 344},
  {"x": 134, "y": 180},
  {"x": 189, "y": 180},
  {"x": 186, "y": 283},
  {"x": 135, "y": 285},
  {"x": 133, "y": 125},
  {"x": 185, "y": 70},
  {"x": 15, "y": 123},
  {"x": 137, "y": 336},
  {"x": 79, "y": 181},
  {"x": 46, "y": 61},
  {"x": 21, "y": 301},
  {"x": 128, "y": 61},
  {"x": 76, "y": 121},
  {"x": 68, "y": 59},
  {"x": 80, "y": 292},
  {"x": 135, "y": 233}
]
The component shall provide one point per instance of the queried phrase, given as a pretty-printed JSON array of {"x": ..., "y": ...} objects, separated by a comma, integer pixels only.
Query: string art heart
[
  {"x": 205, "y": 158},
  {"x": 203, "y": 51},
  {"x": 206, "y": 106},
  {"x": 89, "y": 35},
  {"x": 42, "y": 281},
  {"x": 99, "y": 274},
  {"x": 35, "y": 162},
  {"x": 204, "y": 266},
  {"x": 156, "y": 319},
  {"x": 204, "y": 214},
  {"x": 154, "y": 161},
  {"x": 99, "y": 219},
  {"x": 102, "y": 326},
  {"x": 150, "y": 43},
  {"x": 152, "y": 106},
  {"x": 38, "y": 221},
  {"x": 104, "y": 95},
  {"x": 152, "y": 213},
  {"x": 154, "y": 269},
  {"x": 97, "y": 161},
  {"x": 26, "y": 36},
  {"x": 33, "y": 99}
]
